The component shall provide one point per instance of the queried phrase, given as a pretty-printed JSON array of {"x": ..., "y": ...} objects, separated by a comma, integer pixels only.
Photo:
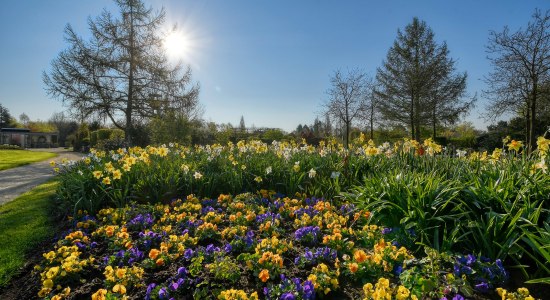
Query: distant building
[{"x": 24, "y": 138}]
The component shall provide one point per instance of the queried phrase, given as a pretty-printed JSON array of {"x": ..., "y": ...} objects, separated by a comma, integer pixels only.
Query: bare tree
[
  {"x": 24, "y": 119},
  {"x": 347, "y": 98},
  {"x": 371, "y": 112},
  {"x": 521, "y": 66},
  {"x": 122, "y": 71}
]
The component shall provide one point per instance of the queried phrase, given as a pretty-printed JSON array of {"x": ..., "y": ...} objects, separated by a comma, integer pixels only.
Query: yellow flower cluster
[
  {"x": 520, "y": 294},
  {"x": 382, "y": 291},
  {"x": 233, "y": 294},
  {"x": 432, "y": 147},
  {"x": 323, "y": 278},
  {"x": 212, "y": 217},
  {"x": 273, "y": 245},
  {"x": 121, "y": 278},
  {"x": 269, "y": 259},
  {"x": 60, "y": 265},
  {"x": 230, "y": 232}
]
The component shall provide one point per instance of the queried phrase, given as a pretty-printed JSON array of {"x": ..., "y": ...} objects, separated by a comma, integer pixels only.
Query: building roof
[{"x": 15, "y": 130}]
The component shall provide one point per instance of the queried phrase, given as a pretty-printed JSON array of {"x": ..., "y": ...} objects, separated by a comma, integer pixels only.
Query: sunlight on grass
[
  {"x": 25, "y": 222},
  {"x": 15, "y": 158}
]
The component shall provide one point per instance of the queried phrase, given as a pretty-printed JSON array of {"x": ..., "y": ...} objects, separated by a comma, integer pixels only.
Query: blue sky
[{"x": 269, "y": 61}]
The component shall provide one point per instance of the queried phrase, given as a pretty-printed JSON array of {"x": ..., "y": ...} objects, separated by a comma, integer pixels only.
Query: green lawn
[
  {"x": 25, "y": 223},
  {"x": 15, "y": 158}
]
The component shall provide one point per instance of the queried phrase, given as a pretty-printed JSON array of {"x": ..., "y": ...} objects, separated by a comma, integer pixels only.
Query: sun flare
[{"x": 176, "y": 45}]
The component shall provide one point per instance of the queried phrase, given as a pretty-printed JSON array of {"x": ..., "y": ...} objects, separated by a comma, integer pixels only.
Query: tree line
[
  {"x": 122, "y": 74},
  {"x": 418, "y": 86}
]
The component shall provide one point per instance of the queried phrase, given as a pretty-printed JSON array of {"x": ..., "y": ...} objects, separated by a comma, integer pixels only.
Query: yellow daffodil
[
  {"x": 97, "y": 174},
  {"x": 117, "y": 174},
  {"x": 515, "y": 145}
]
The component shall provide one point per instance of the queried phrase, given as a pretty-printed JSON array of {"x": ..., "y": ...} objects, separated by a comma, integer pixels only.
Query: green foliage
[
  {"x": 273, "y": 135},
  {"x": 495, "y": 205},
  {"x": 107, "y": 139},
  {"x": 171, "y": 127},
  {"x": 82, "y": 138},
  {"x": 25, "y": 223},
  {"x": 225, "y": 268},
  {"x": 10, "y": 147},
  {"x": 6, "y": 120},
  {"x": 40, "y": 126},
  {"x": 496, "y": 209}
]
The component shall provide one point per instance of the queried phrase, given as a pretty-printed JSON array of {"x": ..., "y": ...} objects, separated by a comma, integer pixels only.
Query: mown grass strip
[
  {"x": 16, "y": 158},
  {"x": 25, "y": 222}
]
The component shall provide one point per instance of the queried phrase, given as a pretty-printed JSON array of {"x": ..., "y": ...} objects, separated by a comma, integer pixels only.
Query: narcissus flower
[
  {"x": 117, "y": 174},
  {"x": 515, "y": 145},
  {"x": 197, "y": 175},
  {"x": 97, "y": 174}
]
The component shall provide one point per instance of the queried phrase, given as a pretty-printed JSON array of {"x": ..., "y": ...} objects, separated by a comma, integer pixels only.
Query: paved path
[{"x": 16, "y": 181}]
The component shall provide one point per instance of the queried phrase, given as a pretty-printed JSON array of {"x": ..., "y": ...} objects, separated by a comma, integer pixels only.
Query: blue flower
[
  {"x": 150, "y": 288},
  {"x": 482, "y": 287},
  {"x": 387, "y": 230},
  {"x": 182, "y": 272},
  {"x": 188, "y": 253},
  {"x": 163, "y": 293},
  {"x": 287, "y": 296},
  {"x": 308, "y": 234},
  {"x": 309, "y": 290},
  {"x": 397, "y": 270},
  {"x": 173, "y": 286},
  {"x": 471, "y": 259}
]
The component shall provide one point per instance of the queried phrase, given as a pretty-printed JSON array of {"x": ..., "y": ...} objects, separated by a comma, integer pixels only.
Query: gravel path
[{"x": 16, "y": 181}]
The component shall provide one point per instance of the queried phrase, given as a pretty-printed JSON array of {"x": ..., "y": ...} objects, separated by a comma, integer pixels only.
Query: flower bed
[{"x": 253, "y": 247}]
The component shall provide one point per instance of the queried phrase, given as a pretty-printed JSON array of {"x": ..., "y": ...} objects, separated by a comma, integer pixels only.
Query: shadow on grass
[{"x": 26, "y": 222}]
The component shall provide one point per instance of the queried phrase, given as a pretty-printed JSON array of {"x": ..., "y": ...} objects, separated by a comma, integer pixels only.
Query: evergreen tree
[
  {"x": 5, "y": 117},
  {"x": 242, "y": 126},
  {"x": 417, "y": 83}
]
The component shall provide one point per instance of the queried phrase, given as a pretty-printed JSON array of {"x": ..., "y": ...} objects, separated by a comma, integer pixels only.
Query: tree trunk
[
  {"x": 531, "y": 140},
  {"x": 346, "y": 138},
  {"x": 371, "y": 129},
  {"x": 417, "y": 121},
  {"x": 129, "y": 104},
  {"x": 412, "y": 117},
  {"x": 433, "y": 124}
]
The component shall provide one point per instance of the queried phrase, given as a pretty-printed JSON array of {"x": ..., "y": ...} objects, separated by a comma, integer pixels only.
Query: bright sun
[{"x": 176, "y": 45}]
